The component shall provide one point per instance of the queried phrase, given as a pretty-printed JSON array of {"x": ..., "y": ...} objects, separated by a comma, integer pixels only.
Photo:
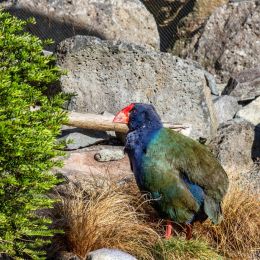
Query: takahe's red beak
[{"x": 123, "y": 116}]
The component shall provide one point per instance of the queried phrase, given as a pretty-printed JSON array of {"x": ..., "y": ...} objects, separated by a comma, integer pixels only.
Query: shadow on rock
[
  {"x": 168, "y": 28},
  {"x": 50, "y": 28},
  {"x": 256, "y": 145}
]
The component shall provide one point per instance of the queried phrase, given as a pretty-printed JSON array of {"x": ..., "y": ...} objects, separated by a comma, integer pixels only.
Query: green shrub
[{"x": 29, "y": 123}]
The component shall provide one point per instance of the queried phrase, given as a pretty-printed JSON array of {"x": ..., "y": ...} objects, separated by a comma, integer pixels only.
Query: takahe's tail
[{"x": 212, "y": 208}]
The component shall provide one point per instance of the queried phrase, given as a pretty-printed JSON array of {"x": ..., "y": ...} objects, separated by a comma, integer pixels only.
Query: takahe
[{"x": 185, "y": 180}]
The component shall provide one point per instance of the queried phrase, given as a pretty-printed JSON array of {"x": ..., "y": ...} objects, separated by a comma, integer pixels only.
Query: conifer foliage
[{"x": 29, "y": 123}]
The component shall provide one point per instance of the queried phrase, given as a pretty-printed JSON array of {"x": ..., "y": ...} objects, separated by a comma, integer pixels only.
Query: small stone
[
  {"x": 226, "y": 108},
  {"x": 251, "y": 112},
  {"x": 109, "y": 254},
  {"x": 107, "y": 155}
]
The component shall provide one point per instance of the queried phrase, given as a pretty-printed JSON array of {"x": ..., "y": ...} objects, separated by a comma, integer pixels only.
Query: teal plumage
[
  {"x": 183, "y": 177},
  {"x": 170, "y": 157}
]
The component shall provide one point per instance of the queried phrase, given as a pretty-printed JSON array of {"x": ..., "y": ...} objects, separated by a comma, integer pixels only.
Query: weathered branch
[{"x": 105, "y": 123}]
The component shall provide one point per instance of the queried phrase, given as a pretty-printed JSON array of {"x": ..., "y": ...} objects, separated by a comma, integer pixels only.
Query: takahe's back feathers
[{"x": 185, "y": 173}]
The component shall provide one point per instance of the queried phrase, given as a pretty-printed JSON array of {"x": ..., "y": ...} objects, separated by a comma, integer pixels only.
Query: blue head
[{"x": 139, "y": 116}]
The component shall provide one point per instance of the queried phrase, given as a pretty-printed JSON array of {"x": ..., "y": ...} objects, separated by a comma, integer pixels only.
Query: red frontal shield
[{"x": 123, "y": 116}]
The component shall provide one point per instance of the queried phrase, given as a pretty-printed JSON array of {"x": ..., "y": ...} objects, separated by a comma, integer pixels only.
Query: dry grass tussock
[
  {"x": 237, "y": 236},
  {"x": 97, "y": 215},
  {"x": 94, "y": 217}
]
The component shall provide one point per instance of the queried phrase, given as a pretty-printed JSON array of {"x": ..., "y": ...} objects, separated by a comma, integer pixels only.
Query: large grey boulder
[
  {"x": 230, "y": 40},
  {"x": 109, "y": 254},
  {"x": 107, "y": 76},
  {"x": 244, "y": 86},
  {"x": 126, "y": 20}
]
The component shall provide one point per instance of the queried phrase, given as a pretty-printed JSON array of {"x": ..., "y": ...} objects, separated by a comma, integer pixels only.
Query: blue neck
[{"x": 136, "y": 145}]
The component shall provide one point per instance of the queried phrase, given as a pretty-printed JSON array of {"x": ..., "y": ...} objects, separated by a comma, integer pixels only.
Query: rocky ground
[{"x": 215, "y": 89}]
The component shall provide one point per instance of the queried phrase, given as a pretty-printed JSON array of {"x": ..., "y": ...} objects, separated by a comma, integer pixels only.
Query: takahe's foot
[
  {"x": 169, "y": 228},
  {"x": 188, "y": 231}
]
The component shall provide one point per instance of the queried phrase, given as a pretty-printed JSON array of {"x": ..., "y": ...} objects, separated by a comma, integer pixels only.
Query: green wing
[
  {"x": 168, "y": 155},
  {"x": 174, "y": 199}
]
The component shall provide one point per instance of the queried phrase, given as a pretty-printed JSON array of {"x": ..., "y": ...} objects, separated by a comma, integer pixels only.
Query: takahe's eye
[{"x": 134, "y": 111}]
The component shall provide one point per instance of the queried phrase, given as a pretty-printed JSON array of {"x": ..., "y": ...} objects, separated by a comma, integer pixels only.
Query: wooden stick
[{"x": 105, "y": 123}]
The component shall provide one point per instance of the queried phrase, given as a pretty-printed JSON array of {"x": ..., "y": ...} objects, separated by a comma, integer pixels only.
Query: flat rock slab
[
  {"x": 76, "y": 138},
  {"x": 230, "y": 40},
  {"x": 251, "y": 112},
  {"x": 125, "y": 20},
  {"x": 107, "y": 76},
  {"x": 81, "y": 165}
]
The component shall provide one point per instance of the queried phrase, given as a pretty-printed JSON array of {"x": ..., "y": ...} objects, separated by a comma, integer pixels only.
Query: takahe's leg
[
  {"x": 169, "y": 228},
  {"x": 188, "y": 231}
]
